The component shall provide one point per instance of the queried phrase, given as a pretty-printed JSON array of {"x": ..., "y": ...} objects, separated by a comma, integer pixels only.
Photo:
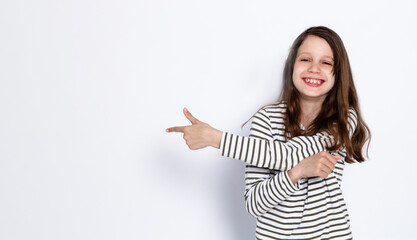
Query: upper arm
[
  {"x": 352, "y": 121},
  {"x": 261, "y": 126}
]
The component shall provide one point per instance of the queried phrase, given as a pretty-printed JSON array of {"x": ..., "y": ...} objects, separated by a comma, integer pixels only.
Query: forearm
[
  {"x": 272, "y": 154},
  {"x": 263, "y": 194},
  {"x": 294, "y": 174}
]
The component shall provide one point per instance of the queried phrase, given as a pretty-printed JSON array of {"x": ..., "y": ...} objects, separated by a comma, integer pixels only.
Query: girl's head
[
  {"x": 318, "y": 42},
  {"x": 312, "y": 74},
  {"x": 317, "y": 68}
]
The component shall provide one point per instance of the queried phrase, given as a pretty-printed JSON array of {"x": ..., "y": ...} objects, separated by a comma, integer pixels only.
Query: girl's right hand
[
  {"x": 318, "y": 165},
  {"x": 199, "y": 134}
]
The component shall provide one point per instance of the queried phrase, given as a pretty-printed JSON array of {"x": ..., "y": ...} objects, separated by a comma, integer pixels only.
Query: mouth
[{"x": 313, "y": 82}]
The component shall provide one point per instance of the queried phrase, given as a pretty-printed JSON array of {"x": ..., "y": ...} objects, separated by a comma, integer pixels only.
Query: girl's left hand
[{"x": 199, "y": 134}]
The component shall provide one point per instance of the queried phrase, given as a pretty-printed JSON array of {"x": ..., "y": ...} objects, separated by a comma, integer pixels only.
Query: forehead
[{"x": 316, "y": 46}]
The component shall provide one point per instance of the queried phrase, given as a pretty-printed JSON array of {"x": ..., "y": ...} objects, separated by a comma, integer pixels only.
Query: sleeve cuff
[
  {"x": 292, "y": 187},
  {"x": 223, "y": 143}
]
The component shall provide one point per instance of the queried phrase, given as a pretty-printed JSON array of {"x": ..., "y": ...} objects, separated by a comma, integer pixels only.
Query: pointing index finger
[{"x": 175, "y": 129}]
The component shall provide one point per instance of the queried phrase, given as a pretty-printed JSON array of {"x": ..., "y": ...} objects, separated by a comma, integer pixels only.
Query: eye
[
  {"x": 304, "y": 59},
  {"x": 328, "y": 63}
]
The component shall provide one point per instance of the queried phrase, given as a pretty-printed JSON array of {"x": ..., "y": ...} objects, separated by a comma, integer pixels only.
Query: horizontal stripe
[{"x": 314, "y": 208}]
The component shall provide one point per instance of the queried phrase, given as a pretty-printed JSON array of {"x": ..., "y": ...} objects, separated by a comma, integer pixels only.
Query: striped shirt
[{"x": 313, "y": 208}]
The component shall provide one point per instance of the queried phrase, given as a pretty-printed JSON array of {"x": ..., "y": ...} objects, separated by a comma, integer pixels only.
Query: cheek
[
  {"x": 332, "y": 81},
  {"x": 329, "y": 74},
  {"x": 296, "y": 71},
  {"x": 296, "y": 67}
]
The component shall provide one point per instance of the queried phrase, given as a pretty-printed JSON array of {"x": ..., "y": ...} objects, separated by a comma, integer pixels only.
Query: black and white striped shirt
[{"x": 313, "y": 208}]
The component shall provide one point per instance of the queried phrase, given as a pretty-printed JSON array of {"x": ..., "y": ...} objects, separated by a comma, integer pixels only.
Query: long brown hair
[{"x": 333, "y": 116}]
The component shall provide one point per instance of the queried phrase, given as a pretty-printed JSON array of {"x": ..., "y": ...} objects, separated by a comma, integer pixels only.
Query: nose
[{"x": 314, "y": 68}]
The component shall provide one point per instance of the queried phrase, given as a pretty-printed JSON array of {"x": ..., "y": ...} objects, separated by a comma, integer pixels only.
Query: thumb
[
  {"x": 190, "y": 117},
  {"x": 336, "y": 157}
]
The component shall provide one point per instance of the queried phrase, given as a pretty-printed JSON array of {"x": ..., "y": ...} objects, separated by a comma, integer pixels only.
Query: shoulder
[
  {"x": 270, "y": 115},
  {"x": 275, "y": 111},
  {"x": 280, "y": 107},
  {"x": 272, "y": 110}
]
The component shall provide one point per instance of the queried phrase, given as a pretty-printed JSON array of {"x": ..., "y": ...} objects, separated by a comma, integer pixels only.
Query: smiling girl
[{"x": 298, "y": 147}]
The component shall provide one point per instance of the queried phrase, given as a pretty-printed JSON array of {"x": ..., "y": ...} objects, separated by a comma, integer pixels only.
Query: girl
[{"x": 297, "y": 147}]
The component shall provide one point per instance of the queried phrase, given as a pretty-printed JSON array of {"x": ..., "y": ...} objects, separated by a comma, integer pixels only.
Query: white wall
[{"x": 88, "y": 87}]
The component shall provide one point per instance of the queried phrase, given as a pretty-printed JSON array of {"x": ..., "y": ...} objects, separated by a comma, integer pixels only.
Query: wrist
[
  {"x": 294, "y": 175},
  {"x": 216, "y": 137}
]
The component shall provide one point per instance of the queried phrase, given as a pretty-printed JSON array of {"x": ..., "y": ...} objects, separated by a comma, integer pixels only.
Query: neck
[{"x": 309, "y": 111}]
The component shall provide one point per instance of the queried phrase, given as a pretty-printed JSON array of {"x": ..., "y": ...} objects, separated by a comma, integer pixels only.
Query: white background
[{"x": 88, "y": 87}]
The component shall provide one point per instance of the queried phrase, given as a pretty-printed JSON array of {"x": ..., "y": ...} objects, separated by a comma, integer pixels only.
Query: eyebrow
[{"x": 310, "y": 53}]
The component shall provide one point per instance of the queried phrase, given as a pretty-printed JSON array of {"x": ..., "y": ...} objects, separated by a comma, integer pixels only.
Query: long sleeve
[
  {"x": 352, "y": 122},
  {"x": 270, "y": 153},
  {"x": 262, "y": 191},
  {"x": 273, "y": 154}
]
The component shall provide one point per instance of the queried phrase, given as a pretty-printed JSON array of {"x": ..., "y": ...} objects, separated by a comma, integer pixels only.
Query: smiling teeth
[{"x": 313, "y": 81}]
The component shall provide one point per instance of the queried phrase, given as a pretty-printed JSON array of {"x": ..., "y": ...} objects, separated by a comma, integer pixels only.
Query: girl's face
[{"x": 313, "y": 69}]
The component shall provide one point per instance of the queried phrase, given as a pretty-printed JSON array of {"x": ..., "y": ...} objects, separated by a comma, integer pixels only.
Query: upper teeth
[{"x": 314, "y": 81}]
